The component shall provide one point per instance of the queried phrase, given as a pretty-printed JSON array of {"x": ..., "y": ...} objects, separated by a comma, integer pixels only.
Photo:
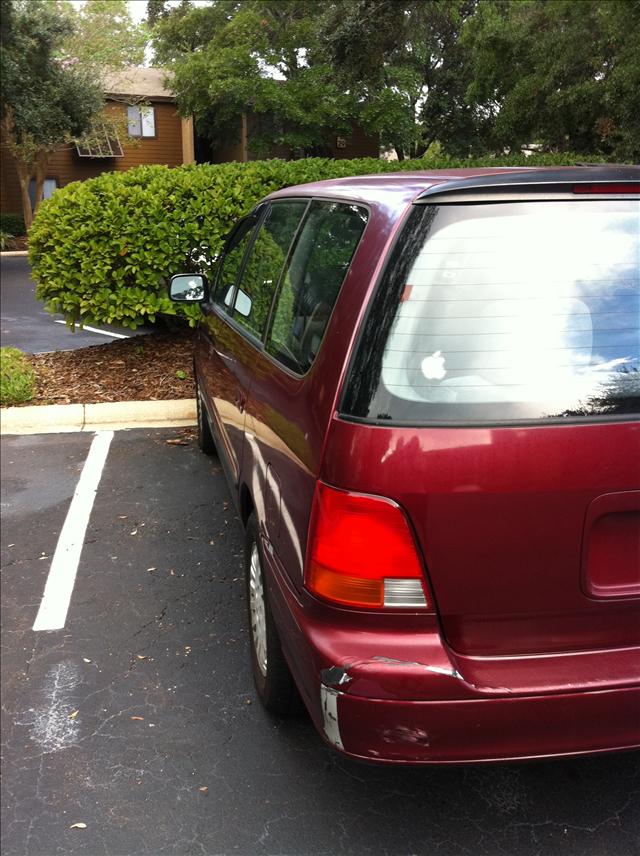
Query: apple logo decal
[{"x": 433, "y": 366}]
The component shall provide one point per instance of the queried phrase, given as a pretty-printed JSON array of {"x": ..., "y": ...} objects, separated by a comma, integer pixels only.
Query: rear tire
[
  {"x": 205, "y": 437},
  {"x": 272, "y": 678}
]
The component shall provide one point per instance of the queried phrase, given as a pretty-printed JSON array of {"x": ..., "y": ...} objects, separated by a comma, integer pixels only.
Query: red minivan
[{"x": 424, "y": 389}]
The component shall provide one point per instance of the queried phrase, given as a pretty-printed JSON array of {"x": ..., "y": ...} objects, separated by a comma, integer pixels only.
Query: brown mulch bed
[
  {"x": 19, "y": 243},
  {"x": 152, "y": 367}
]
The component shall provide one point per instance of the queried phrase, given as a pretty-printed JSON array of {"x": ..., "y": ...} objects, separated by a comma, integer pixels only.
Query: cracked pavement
[{"x": 139, "y": 720}]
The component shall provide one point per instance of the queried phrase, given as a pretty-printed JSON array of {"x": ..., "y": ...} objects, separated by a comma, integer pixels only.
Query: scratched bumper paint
[{"x": 329, "y": 704}]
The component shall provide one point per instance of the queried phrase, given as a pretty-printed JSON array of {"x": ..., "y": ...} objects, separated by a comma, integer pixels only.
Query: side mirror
[{"x": 189, "y": 288}]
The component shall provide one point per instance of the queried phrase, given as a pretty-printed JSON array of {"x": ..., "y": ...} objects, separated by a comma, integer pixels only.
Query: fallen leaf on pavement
[
  {"x": 74, "y": 714},
  {"x": 141, "y": 656},
  {"x": 141, "y": 718},
  {"x": 177, "y": 442},
  {"x": 78, "y": 826},
  {"x": 204, "y": 789}
]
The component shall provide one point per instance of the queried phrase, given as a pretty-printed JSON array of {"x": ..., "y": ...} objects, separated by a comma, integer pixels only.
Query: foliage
[
  {"x": 157, "y": 10},
  {"x": 45, "y": 100},
  {"x": 256, "y": 56},
  {"x": 54, "y": 59},
  {"x": 404, "y": 63},
  {"x": 562, "y": 74},
  {"x": 102, "y": 250},
  {"x": 5, "y": 239},
  {"x": 478, "y": 76},
  {"x": 104, "y": 36},
  {"x": 17, "y": 377},
  {"x": 13, "y": 223}
]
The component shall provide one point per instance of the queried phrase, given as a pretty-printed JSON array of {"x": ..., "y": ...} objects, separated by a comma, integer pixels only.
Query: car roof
[{"x": 398, "y": 188}]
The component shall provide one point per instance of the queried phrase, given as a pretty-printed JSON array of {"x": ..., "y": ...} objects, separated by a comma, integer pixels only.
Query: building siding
[
  {"x": 164, "y": 148},
  {"x": 66, "y": 165}
]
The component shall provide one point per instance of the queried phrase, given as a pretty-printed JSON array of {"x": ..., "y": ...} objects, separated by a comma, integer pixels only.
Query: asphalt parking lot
[
  {"x": 138, "y": 718},
  {"x": 25, "y": 323}
]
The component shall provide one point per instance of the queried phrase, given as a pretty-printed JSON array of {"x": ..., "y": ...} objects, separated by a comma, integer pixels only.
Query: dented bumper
[
  {"x": 399, "y": 694},
  {"x": 487, "y": 729}
]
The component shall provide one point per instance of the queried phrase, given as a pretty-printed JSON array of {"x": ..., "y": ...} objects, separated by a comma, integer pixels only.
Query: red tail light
[
  {"x": 607, "y": 188},
  {"x": 361, "y": 552}
]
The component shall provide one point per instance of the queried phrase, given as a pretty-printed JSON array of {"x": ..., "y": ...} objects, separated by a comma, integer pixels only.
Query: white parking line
[
  {"x": 62, "y": 574},
  {"x": 95, "y": 330}
]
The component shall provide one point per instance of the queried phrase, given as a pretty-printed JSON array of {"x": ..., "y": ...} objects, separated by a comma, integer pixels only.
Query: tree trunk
[
  {"x": 41, "y": 172},
  {"x": 24, "y": 177}
]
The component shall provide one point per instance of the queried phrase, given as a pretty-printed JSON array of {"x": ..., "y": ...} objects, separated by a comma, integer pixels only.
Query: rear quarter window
[
  {"x": 312, "y": 279},
  {"x": 505, "y": 311}
]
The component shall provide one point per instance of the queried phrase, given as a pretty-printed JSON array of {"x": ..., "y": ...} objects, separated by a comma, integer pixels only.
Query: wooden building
[{"x": 155, "y": 134}]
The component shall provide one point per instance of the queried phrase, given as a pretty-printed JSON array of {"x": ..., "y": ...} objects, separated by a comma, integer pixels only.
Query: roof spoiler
[{"x": 616, "y": 181}]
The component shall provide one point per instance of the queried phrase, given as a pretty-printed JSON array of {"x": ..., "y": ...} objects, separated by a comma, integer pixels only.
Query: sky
[{"x": 137, "y": 9}]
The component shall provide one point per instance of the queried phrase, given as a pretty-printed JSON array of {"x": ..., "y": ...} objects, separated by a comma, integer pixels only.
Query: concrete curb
[
  {"x": 113, "y": 416},
  {"x": 14, "y": 253}
]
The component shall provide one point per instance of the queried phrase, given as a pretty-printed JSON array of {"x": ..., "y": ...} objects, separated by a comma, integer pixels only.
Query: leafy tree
[
  {"x": 158, "y": 10},
  {"x": 261, "y": 57},
  {"x": 54, "y": 59},
  {"x": 395, "y": 67},
  {"x": 561, "y": 74},
  {"x": 405, "y": 65},
  {"x": 46, "y": 99},
  {"x": 104, "y": 36},
  {"x": 493, "y": 75}
]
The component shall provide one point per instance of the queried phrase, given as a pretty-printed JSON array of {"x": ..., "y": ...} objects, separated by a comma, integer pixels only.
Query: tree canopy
[
  {"x": 46, "y": 98},
  {"x": 104, "y": 35},
  {"x": 561, "y": 74},
  {"x": 477, "y": 76},
  {"x": 53, "y": 60}
]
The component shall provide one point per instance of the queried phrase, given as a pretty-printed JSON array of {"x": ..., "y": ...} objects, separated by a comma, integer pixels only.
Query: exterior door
[{"x": 222, "y": 353}]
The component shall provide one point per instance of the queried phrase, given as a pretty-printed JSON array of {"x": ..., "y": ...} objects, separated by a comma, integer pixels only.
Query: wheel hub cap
[{"x": 257, "y": 610}]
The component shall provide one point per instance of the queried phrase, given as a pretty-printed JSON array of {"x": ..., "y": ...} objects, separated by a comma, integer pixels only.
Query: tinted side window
[
  {"x": 312, "y": 279},
  {"x": 231, "y": 261},
  {"x": 264, "y": 265}
]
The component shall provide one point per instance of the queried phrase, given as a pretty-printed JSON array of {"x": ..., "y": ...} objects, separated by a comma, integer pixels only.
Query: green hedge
[
  {"x": 102, "y": 249},
  {"x": 13, "y": 224}
]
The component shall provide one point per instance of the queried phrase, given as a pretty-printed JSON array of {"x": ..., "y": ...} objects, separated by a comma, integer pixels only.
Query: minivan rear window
[{"x": 504, "y": 311}]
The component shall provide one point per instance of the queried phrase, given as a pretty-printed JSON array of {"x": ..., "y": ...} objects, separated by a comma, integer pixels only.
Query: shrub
[
  {"x": 17, "y": 377},
  {"x": 102, "y": 250},
  {"x": 5, "y": 240},
  {"x": 13, "y": 224}
]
